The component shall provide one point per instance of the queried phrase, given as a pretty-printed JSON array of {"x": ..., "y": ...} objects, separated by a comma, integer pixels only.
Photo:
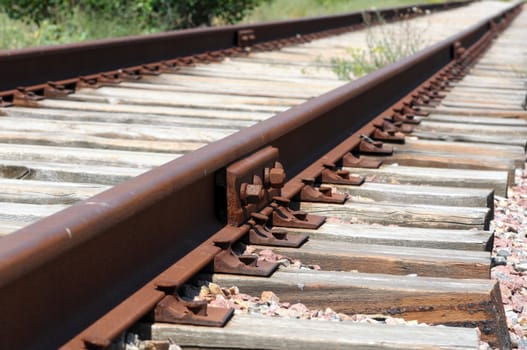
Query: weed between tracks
[{"x": 385, "y": 43}]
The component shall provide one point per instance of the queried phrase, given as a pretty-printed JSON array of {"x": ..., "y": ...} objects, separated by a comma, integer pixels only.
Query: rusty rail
[{"x": 152, "y": 233}]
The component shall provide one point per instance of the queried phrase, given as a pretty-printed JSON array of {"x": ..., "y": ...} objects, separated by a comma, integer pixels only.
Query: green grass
[
  {"x": 75, "y": 27},
  {"x": 283, "y": 9}
]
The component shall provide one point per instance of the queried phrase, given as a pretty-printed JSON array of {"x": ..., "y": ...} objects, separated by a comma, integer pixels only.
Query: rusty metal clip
[
  {"x": 349, "y": 160},
  {"x": 331, "y": 175},
  {"x": 186, "y": 61},
  {"x": 421, "y": 100},
  {"x": 431, "y": 95},
  {"x": 25, "y": 98},
  {"x": 228, "y": 262},
  {"x": 387, "y": 135},
  {"x": 438, "y": 84},
  {"x": 109, "y": 78},
  {"x": 234, "y": 52},
  {"x": 286, "y": 217},
  {"x": 88, "y": 83},
  {"x": 150, "y": 69},
  {"x": 369, "y": 146},
  {"x": 413, "y": 110},
  {"x": 168, "y": 67},
  {"x": 389, "y": 124},
  {"x": 53, "y": 89},
  {"x": 321, "y": 195},
  {"x": 259, "y": 233},
  {"x": 206, "y": 58},
  {"x": 424, "y": 98},
  {"x": 172, "y": 309},
  {"x": 217, "y": 56},
  {"x": 130, "y": 74},
  {"x": 95, "y": 82},
  {"x": 180, "y": 62},
  {"x": 401, "y": 117}
]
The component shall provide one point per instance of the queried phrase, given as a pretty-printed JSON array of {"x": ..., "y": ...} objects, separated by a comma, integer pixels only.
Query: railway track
[
  {"x": 70, "y": 140},
  {"x": 451, "y": 141}
]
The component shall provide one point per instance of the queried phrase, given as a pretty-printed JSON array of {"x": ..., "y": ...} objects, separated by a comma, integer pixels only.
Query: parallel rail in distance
[
  {"x": 51, "y": 269},
  {"x": 38, "y": 65}
]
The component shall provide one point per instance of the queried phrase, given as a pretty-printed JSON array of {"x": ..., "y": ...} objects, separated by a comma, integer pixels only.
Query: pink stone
[
  {"x": 299, "y": 307},
  {"x": 269, "y": 297}
]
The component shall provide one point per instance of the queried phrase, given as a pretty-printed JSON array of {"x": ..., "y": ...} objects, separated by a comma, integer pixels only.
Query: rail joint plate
[
  {"x": 253, "y": 183},
  {"x": 245, "y": 37}
]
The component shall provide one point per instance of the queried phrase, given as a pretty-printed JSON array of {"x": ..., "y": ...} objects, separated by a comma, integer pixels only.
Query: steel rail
[
  {"x": 63, "y": 273},
  {"x": 34, "y": 66}
]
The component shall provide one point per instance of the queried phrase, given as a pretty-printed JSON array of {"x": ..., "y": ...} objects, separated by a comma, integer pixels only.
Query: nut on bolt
[
  {"x": 251, "y": 193},
  {"x": 275, "y": 177}
]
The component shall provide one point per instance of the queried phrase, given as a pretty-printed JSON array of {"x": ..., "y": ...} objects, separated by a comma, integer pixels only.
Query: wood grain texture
[
  {"x": 414, "y": 175},
  {"x": 446, "y": 118},
  {"x": 158, "y": 110},
  {"x": 477, "y": 240},
  {"x": 427, "y": 216},
  {"x": 246, "y": 332},
  {"x": 45, "y": 192},
  {"x": 83, "y": 156},
  {"x": 426, "y": 299},
  {"x": 47, "y": 171},
  {"x": 478, "y": 129},
  {"x": 460, "y": 137},
  {"x": 124, "y": 118},
  {"x": 372, "y": 258},
  {"x": 420, "y": 194},
  {"x": 463, "y": 149},
  {"x": 449, "y": 161}
]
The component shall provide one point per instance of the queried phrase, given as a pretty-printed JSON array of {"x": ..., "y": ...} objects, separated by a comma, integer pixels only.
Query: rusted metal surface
[
  {"x": 310, "y": 193},
  {"x": 137, "y": 232},
  {"x": 283, "y": 215},
  {"x": 171, "y": 309},
  {"x": 332, "y": 175},
  {"x": 261, "y": 234},
  {"x": 251, "y": 184},
  {"x": 248, "y": 184},
  {"x": 228, "y": 262}
]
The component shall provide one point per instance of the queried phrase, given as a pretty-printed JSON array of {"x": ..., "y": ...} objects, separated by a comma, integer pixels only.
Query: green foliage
[
  {"x": 169, "y": 14},
  {"x": 43, "y": 22},
  {"x": 73, "y": 27},
  {"x": 192, "y": 13},
  {"x": 30, "y": 10},
  {"x": 357, "y": 65}
]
